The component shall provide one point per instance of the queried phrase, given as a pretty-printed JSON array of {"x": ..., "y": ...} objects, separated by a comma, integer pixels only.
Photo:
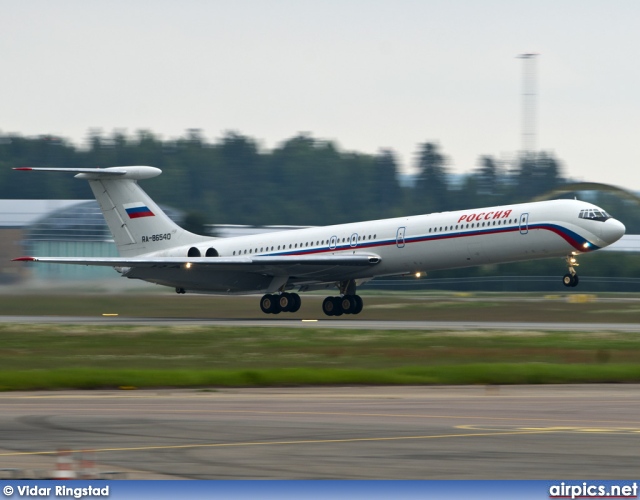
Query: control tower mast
[{"x": 529, "y": 97}]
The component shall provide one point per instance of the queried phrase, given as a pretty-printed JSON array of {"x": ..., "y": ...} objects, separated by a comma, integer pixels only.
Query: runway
[
  {"x": 332, "y": 323},
  {"x": 506, "y": 432}
]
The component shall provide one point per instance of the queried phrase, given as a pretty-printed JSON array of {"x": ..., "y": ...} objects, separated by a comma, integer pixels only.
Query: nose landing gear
[{"x": 571, "y": 278}]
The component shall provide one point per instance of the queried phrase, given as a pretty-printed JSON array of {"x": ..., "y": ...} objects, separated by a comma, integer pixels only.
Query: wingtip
[
  {"x": 22, "y": 168},
  {"x": 24, "y": 259}
]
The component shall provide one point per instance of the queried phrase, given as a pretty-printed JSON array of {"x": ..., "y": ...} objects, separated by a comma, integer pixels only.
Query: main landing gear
[
  {"x": 571, "y": 278},
  {"x": 347, "y": 303},
  {"x": 280, "y": 302}
]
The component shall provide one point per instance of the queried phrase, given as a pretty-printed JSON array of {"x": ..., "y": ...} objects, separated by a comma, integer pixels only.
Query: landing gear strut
[
  {"x": 347, "y": 303},
  {"x": 280, "y": 302},
  {"x": 571, "y": 278}
]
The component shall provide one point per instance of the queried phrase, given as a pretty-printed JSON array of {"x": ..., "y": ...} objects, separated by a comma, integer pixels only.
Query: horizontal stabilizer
[{"x": 133, "y": 172}]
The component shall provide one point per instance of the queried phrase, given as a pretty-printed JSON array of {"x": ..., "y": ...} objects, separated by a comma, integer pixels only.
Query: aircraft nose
[{"x": 612, "y": 230}]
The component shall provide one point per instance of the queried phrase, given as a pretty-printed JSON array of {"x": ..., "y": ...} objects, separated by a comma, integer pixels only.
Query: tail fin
[{"x": 133, "y": 217}]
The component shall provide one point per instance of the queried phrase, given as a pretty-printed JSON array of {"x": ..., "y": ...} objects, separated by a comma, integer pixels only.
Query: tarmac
[{"x": 436, "y": 432}]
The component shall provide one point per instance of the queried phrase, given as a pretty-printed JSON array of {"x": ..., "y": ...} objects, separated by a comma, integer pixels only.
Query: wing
[{"x": 323, "y": 267}]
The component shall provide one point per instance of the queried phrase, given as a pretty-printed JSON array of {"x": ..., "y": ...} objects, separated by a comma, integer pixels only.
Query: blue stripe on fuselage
[{"x": 573, "y": 238}]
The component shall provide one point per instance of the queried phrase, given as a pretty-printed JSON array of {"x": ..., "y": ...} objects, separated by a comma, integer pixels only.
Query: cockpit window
[{"x": 594, "y": 214}]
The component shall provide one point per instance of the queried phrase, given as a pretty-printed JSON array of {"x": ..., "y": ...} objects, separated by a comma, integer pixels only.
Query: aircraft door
[
  {"x": 524, "y": 223},
  {"x": 400, "y": 237},
  {"x": 333, "y": 243},
  {"x": 354, "y": 240}
]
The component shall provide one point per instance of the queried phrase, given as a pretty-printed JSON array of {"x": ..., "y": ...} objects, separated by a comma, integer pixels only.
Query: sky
[{"x": 367, "y": 74}]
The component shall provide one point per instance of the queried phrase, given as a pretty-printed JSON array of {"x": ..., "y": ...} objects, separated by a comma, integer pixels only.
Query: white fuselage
[{"x": 435, "y": 241}]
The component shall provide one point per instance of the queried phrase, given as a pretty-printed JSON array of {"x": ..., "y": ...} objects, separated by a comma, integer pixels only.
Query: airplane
[{"x": 155, "y": 249}]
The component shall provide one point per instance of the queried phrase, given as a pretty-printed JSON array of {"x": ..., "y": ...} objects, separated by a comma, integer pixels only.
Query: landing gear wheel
[
  {"x": 328, "y": 306},
  {"x": 269, "y": 304},
  {"x": 337, "y": 306},
  {"x": 570, "y": 280},
  {"x": 359, "y": 305},
  {"x": 348, "y": 304},
  {"x": 285, "y": 302},
  {"x": 296, "y": 302}
]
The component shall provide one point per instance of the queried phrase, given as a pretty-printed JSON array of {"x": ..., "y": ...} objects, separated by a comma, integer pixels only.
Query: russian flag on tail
[{"x": 137, "y": 210}]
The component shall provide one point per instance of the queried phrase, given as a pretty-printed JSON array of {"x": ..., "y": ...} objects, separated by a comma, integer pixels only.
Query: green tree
[
  {"x": 385, "y": 189},
  {"x": 535, "y": 174},
  {"x": 432, "y": 186}
]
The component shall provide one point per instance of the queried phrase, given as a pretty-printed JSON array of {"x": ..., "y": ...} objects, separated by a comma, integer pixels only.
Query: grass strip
[{"x": 469, "y": 374}]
